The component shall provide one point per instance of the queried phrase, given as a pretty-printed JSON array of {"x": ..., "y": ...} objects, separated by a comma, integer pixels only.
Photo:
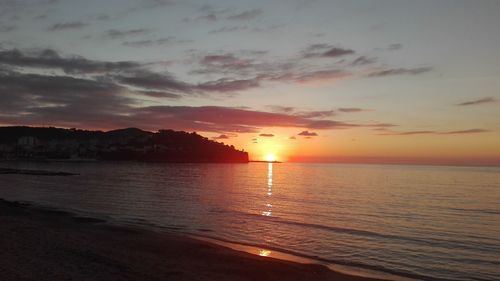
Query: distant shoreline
[
  {"x": 129, "y": 144},
  {"x": 44, "y": 243},
  {"x": 120, "y": 161}
]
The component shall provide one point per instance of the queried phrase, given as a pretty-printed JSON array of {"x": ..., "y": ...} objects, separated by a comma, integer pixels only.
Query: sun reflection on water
[
  {"x": 264, "y": 253},
  {"x": 269, "y": 207}
]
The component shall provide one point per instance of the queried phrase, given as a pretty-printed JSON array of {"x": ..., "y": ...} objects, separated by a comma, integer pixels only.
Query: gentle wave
[
  {"x": 429, "y": 241},
  {"x": 327, "y": 261}
]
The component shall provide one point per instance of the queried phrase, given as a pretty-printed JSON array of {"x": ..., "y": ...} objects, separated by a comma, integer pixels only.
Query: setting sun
[{"x": 270, "y": 157}]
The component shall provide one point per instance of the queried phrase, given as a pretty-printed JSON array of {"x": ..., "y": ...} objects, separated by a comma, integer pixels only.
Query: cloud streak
[
  {"x": 126, "y": 73},
  {"x": 363, "y": 60},
  {"x": 459, "y": 132},
  {"x": 246, "y": 15},
  {"x": 159, "y": 94},
  {"x": 225, "y": 85},
  {"x": 326, "y": 51},
  {"x": 322, "y": 76},
  {"x": 313, "y": 113},
  {"x": 221, "y": 137},
  {"x": 67, "y": 25},
  {"x": 151, "y": 80},
  {"x": 400, "y": 71},
  {"x": 308, "y": 134},
  {"x": 50, "y": 59},
  {"x": 171, "y": 40},
  {"x": 115, "y": 34},
  {"x": 350, "y": 109},
  {"x": 478, "y": 101}
]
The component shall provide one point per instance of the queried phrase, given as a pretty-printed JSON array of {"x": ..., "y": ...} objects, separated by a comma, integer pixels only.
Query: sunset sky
[{"x": 328, "y": 81}]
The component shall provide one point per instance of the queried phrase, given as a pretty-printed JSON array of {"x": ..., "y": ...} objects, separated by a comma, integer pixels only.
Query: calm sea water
[{"x": 423, "y": 222}]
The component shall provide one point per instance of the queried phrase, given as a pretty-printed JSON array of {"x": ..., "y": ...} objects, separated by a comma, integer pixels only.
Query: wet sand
[{"x": 43, "y": 244}]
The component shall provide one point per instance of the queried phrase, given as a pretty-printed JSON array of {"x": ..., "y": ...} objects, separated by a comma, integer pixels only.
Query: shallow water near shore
[{"x": 422, "y": 222}]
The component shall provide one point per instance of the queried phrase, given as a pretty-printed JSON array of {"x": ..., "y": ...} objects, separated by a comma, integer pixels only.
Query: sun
[{"x": 270, "y": 157}]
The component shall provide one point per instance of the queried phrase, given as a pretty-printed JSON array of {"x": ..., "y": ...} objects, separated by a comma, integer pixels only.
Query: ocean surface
[{"x": 423, "y": 222}]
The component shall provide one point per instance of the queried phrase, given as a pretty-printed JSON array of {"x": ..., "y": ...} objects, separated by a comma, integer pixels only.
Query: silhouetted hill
[
  {"x": 122, "y": 144},
  {"x": 12, "y": 134},
  {"x": 126, "y": 133}
]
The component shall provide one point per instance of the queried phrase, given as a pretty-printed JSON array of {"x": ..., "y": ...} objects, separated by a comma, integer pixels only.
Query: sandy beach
[{"x": 45, "y": 244}]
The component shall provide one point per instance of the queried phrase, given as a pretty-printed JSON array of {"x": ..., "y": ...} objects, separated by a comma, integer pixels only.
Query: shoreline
[
  {"x": 290, "y": 256},
  {"x": 45, "y": 244}
]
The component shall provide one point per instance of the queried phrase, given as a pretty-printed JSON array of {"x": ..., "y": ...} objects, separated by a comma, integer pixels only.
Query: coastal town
[{"x": 125, "y": 144}]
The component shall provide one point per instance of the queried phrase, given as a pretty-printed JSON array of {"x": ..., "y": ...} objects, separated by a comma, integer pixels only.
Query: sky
[{"x": 311, "y": 81}]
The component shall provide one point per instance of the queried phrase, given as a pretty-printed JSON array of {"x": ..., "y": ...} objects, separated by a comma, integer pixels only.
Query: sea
[{"x": 399, "y": 222}]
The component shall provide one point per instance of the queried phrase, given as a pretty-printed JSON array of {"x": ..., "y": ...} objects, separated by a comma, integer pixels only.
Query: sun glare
[{"x": 270, "y": 157}]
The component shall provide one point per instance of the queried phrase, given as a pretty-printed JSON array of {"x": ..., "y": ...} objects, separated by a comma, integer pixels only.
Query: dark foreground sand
[{"x": 38, "y": 244}]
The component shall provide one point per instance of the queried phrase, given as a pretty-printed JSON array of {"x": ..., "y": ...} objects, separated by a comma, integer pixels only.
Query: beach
[{"x": 47, "y": 244}]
